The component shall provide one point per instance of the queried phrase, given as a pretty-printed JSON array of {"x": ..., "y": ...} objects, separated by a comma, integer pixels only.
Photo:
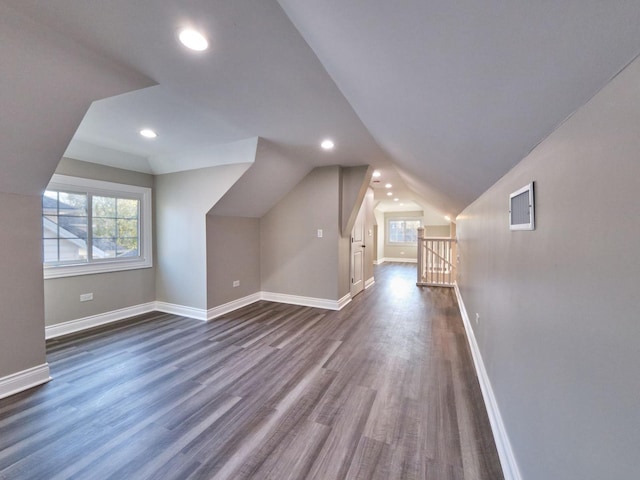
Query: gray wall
[
  {"x": 437, "y": 230},
  {"x": 37, "y": 95},
  {"x": 78, "y": 168},
  {"x": 182, "y": 202},
  {"x": 292, "y": 259},
  {"x": 354, "y": 182},
  {"x": 233, "y": 253},
  {"x": 286, "y": 235},
  {"x": 111, "y": 291},
  {"x": 184, "y": 233},
  {"x": 559, "y": 330},
  {"x": 21, "y": 295}
]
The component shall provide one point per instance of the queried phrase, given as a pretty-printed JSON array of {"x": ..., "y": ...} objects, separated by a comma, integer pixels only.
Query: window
[
  {"x": 90, "y": 226},
  {"x": 403, "y": 230}
]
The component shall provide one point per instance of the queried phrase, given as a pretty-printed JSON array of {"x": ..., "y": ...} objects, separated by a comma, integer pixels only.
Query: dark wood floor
[{"x": 383, "y": 389}]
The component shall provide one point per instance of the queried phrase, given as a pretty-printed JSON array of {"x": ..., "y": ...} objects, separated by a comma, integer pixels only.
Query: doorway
[{"x": 357, "y": 254}]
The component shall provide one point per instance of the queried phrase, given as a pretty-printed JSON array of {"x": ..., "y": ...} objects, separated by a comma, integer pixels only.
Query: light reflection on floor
[{"x": 401, "y": 288}]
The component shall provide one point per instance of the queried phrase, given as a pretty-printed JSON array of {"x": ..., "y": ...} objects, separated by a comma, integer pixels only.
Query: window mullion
[
  {"x": 89, "y": 227},
  {"x": 116, "y": 232},
  {"x": 58, "y": 225}
]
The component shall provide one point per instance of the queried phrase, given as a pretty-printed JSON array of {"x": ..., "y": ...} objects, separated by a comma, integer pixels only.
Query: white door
[{"x": 357, "y": 255}]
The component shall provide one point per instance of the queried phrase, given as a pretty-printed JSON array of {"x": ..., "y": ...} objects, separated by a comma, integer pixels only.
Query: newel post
[{"x": 420, "y": 254}]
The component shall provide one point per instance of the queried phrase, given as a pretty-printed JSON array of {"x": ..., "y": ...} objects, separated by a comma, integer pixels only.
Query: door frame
[{"x": 357, "y": 249}]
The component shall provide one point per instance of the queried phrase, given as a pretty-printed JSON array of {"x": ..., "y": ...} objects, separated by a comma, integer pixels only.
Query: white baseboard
[
  {"x": 72, "y": 326},
  {"x": 305, "y": 301},
  {"x": 343, "y": 302},
  {"x": 505, "y": 452},
  {"x": 20, "y": 381},
  {"x": 369, "y": 282},
  {"x": 401, "y": 260},
  {"x": 80, "y": 324},
  {"x": 182, "y": 310},
  {"x": 214, "y": 312},
  {"x": 378, "y": 262},
  {"x": 233, "y": 305}
]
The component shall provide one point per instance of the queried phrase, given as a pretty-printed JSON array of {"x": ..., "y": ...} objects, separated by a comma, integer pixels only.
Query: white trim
[
  {"x": 72, "y": 326},
  {"x": 401, "y": 260},
  {"x": 86, "y": 185},
  {"x": 344, "y": 301},
  {"x": 505, "y": 452},
  {"x": 80, "y": 324},
  {"x": 304, "y": 301},
  {"x": 523, "y": 226},
  {"x": 182, "y": 310},
  {"x": 233, "y": 305},
  {"x": 378, "y": 262},
  {"x": 60, "y": 271},
  {"x": 228, "y": 307},
  {"x": 24, "y": 380},
  {"x": 369, "y": 282}
]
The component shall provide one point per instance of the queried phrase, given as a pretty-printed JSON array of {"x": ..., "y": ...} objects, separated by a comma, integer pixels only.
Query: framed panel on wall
[{"x": 521, "y": 209}]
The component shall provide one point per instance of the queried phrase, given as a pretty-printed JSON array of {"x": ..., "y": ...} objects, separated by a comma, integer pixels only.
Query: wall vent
[{"x": 521, "y": 209}]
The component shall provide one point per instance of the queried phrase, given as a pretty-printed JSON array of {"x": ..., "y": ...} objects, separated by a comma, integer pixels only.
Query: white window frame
[
  {"x": 400, "y": 219},
  {"x": 67, "y": 183}
]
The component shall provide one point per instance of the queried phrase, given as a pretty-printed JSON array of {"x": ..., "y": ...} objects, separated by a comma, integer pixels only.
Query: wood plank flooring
[{"x": 384, "y": 389}]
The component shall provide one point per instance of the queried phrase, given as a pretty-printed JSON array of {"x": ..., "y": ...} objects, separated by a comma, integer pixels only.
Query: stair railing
[{"x": 436, "y": 260}]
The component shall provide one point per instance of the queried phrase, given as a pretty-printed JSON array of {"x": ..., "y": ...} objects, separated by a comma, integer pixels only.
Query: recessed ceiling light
[
  {"x": 395, "y": 199},
  {"x": 389, "y": 194},
  {"x": 193, "y": 40},
  {"x": 388, "y": 185},
  {"x": 376, "y": 174},
  {"x": 327, "y": 144},
  {"x": 148, "y": 133}
]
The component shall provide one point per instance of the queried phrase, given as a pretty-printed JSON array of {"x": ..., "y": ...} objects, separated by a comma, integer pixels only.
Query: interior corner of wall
[{"x": 354, "y": 185}]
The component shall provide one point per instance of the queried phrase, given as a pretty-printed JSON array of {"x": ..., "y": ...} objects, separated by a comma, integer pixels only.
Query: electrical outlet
[
  {"x": 477, "y": 317},
  {"x": 320, "y": 233},
  {"x": 236, "y": 283},
  {"x": 85, "y": 297}
]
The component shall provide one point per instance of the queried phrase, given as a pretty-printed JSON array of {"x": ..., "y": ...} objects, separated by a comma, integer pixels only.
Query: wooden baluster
[{"x": 420, "y": 268}]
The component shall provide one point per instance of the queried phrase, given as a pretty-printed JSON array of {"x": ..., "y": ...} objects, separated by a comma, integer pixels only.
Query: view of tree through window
[
  {"x": 66, "y": 217},
  {"x": 115, "y": 226},
  {"x": 403, "y": 231}
]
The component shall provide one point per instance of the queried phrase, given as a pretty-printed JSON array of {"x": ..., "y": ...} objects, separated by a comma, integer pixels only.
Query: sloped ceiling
[
  {"x": 458, "y": 92},
  {"x": 270, "y": 178},
  {"x": 48, "y": 82},
  {"x": 442, "y": 97}
]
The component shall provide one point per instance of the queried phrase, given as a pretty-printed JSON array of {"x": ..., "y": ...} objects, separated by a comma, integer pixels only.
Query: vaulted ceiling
[{"x": 443, "y": 97}]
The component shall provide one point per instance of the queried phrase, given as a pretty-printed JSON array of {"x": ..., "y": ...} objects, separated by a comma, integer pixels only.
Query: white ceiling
[
  {"x": 188, "y": 134},
  {"x": 442, "y": 97},
  {"x": 458, "y": 92}
]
